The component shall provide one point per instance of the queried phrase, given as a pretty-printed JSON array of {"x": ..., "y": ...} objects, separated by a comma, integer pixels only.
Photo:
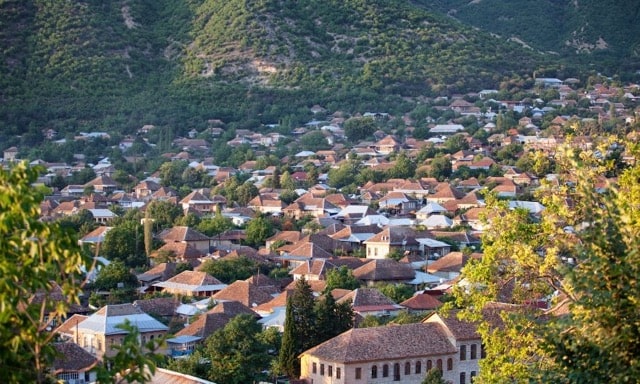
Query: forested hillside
[
  {"x": 588, "y": 30},
  {"x": 84, "y": 65}
]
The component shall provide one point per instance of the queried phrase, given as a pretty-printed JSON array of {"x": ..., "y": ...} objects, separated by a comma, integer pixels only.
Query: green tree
[
  {"x": 313, "y": 141},
  {"x": 190, "y": 220},
  {"x": 171, "y": 173},
  {"x": 434, "y": 376},
  {"x": 237, "y": 353},
  {"x": 440, "y": 168},
  {"x": 331, "y": 318},
  {"x": 341, "y": 277},
  {"x": 396, "y": 292},
  {"x": 258, "y": 230},
  {"x": 455, "y": 143},
  {"x": 344, "y": 175},
  {"x": 113, "y": 274},
  {"x": 230, "y": 270},
  {"x": 126, "y": 242},
  {"x": 299, "y": 328},
  {"x": 34, "y": 256},
  {"x": 537, "y": 163},
  {"x": 82, "y": 176},
  {"x": 359, "y": 128},
  {"x": 196, "y": 364},
  {"x": 246, "y": 192},
  {"x": 286, "y": 181},
  {"x": 216, "y": 225},
  {"x": 163, "y": 214},
  {"x": 289, "y": 349},
  {"x": 591, "y": 270},
  {"x": 403, "y": 168},
  {"x": 81, "y": 222}
]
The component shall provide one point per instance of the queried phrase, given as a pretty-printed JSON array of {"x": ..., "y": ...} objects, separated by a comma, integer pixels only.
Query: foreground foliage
[
  {"x": 36, "y": 257},
  {"x": 583, "y": 256}
]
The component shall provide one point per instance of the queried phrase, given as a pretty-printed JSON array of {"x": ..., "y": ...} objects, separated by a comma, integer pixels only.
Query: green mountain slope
[
  {"x": 79, "y": 65},
  {"x": 600, "y": 28},
  {"x": 382, "y": 45}
]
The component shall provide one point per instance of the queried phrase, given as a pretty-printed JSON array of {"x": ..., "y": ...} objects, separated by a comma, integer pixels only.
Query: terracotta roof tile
[
  {"x": 451, "y": 262},
  {"x": 72, "y": 358},
  {"x": 316, "y": 285},
  {"x": 194, "y": 278},
  {"x": 182, "y": 234},
  {"x": 384, "y": 269},
  {"x": 244, "y": 292},
  {"x": 159, "y": 306},
  {"x": 385, "y": 344},
  {"x": 423, "y": 301}
]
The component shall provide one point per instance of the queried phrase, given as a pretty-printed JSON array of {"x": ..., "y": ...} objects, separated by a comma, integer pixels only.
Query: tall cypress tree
[
  {"x": 299, "y": 328},
  {"x": 287, "y": 360}
]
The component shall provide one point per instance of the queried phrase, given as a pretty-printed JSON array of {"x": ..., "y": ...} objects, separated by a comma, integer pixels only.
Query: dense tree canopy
[
  {"x": 583, "y": 258},
  {"x": 126, "y": 242},
  {"x": 359, "y": 128},
  {"x": 258, "y": 230},
  {"x": 230, "y": 270},
  {"x": 237, "y": 353},
  {"x": 341, "y": 277}
]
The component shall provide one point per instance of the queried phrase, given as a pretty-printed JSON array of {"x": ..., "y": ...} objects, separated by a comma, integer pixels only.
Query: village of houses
[{"x": 434, "y": 225}]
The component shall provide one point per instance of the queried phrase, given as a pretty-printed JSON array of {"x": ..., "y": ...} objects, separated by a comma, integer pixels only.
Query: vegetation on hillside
[
  {"x": 83, "y": 66},
  {"x": 604, "y": 33}
]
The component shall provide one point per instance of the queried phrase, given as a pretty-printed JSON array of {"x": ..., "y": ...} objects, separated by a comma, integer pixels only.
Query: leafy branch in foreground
[
  {"x": 34, "y": 257},
  {"x": 582, "y": 255}
]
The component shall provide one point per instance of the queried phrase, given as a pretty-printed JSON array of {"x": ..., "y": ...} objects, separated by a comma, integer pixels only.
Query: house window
[
  {"x": 368, "y": 251},
  {"x": 358, "y": 373},
  {"x": 314, "y": 368},
  {"x": 429, "y": 365},
  {"x": 474, "y": 352},
  {"x": 68, "y": 376},
  {"x": 99, "y": 345},
  {"x": 374, "y": 372},
  {"x": 463, "y": 352},
  {"x": 375, "y": 251},
  {"x": 418, "y": 367},
  {"x": 385, "y": 370},
  {"x": 483, "y": 352},
  {"x": 407, "y": 368},
  {"x": 439, "y": 364},
  {"x": 338, "y": 373},
  {"x": 396, "y": 372},
  {"x": 330, "y": 371},
  {"x": 463, "y": 378},
  {"x": 321, "y": 369},
  {"x": 449, "y": 364},
  {"x": 472, "y": 376}
]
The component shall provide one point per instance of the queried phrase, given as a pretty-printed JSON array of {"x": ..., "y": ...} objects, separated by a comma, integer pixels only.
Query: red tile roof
[{"x": 385, "y": 344}]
